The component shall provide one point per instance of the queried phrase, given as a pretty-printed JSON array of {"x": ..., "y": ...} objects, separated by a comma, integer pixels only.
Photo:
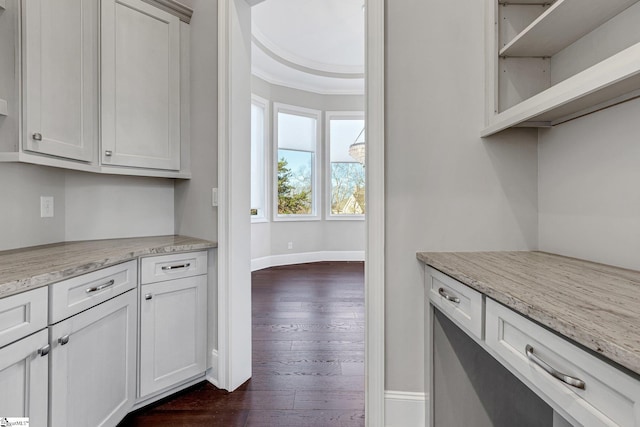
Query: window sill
[
  {"x": 346, "y": 217},
  {"x": 296, "y": 218}
]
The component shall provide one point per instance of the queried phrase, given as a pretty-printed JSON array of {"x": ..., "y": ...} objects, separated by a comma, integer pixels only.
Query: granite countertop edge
[
  {"x": 579, "y": 334},
  {"x": 91, "y": 263}
]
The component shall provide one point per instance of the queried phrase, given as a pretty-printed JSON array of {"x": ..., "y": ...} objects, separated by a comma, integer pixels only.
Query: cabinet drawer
[
  {"x": 460, "y": 302},
  {"x": 80, "y": 293},
  {"x": 22, "y": 314},
  {"x": 174, "y": 266},
  {"x": 609, "y": 397}
]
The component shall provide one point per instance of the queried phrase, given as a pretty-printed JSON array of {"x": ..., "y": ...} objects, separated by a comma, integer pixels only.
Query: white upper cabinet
[
  {"x": 60, "y": 77},
  {"x": 99, "y": 86},
  {"x": 140, "y": 85},
  {"x": 550, "y": 62}
]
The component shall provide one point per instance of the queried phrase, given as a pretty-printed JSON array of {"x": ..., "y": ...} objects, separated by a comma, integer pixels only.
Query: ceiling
[{"x": 314, "y": 45}]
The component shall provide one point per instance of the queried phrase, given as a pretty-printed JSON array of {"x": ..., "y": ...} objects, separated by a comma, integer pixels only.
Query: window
[
  {"x": 258, "y": 152},
  {"x": 295, "y": 166},
  {"x": 346, "y": 172}
]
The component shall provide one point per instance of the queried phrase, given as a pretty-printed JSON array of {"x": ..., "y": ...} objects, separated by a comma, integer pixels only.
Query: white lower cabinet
[
  {"x": 577, "y": 385},
  {"x": 93, "y": 362},
  {"x": 590, "y": 390},
  {"x": 173, "y": 320},
  {"x": 24, "y": 369},
  {"x": 82, "y": 370}
]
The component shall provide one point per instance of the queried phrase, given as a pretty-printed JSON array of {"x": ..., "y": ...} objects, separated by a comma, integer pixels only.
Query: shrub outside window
[
  {"x": 296, "y": 162},
  {"x": 346, "y": 174}
]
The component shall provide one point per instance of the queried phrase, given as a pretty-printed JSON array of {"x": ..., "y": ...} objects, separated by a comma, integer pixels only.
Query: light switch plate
[
  {"x": 214, "y": 197},
  {"x": 46, "y": 206}
]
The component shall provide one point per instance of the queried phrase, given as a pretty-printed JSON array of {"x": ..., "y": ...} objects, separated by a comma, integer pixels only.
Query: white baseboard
[
  {"x": 140, "y": 403},
  {"x": 304, "y": 257},
  {"x": 404, "y": 409},
  {"x": 212, "y": 372}
]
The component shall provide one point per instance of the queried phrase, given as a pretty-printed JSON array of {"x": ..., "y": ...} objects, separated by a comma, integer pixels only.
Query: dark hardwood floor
[{"x": 308, "y": 357}]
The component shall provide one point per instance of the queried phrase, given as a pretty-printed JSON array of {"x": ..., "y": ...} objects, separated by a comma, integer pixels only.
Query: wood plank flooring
[{"x": 308, "y": 357}]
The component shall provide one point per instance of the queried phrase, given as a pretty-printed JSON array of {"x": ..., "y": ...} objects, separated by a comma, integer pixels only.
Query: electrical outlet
[
  {"x": 290, "y": 245},
  {"x": 46, "y": 206}
]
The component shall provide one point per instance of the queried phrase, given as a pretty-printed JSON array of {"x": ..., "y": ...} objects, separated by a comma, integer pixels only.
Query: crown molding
[
  {"x": 286, "y": 57},
  {"x": 173, "y": 7},
  {"x": 271, "y": 79}
]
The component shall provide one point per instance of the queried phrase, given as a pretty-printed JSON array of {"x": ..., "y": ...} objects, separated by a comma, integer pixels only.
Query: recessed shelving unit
[
  {"x": 562, "y": 24},
  {"x": 3, "y": 107},
  {"x": 522, "y": 87}
]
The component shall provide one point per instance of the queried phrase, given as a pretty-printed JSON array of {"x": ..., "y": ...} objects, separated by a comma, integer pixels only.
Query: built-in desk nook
[{"x": 531, "y": 338}]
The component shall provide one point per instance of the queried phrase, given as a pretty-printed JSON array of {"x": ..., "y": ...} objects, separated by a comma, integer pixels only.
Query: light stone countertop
[
  {"x": 595, "y": 305},
  {"x": 29, "y": 268}
]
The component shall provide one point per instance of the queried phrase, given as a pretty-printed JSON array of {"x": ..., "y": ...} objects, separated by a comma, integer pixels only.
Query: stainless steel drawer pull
[
  {"x": 44, "y": 350},
  {"x": 574, "y": 382},
  {"x": 37, "y": 136},
  {"x": 101, "y": 287},
  {"x": 175, "y": 267},
  {"x": 63, "y": 340},
  {"x": 448, "y": 297},
  {"x": 148, "y": 297}
]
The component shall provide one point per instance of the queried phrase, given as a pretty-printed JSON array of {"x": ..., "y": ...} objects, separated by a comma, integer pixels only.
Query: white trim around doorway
[
  {"x": 232, "y": 312},
  {"x": 375, "y": 230}
]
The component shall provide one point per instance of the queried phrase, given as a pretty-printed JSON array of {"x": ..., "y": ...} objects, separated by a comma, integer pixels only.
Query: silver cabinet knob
[
  {"x": 63, "y": 340},
  {"x": 108, "y": 153},
  {"x": 37, "y": 136},
  {"x": 148, "y": 296},
  {"x": 44, "y": 350}
]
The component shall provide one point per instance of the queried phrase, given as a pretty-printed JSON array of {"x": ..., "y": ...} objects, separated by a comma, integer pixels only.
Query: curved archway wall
[{"x": 332, "y": 240}]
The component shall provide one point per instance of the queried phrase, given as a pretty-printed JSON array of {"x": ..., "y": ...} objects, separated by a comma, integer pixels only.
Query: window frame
[
  {"x": 340, "y": 115},
  {"x": 316, "y": 185},
  {"x": 265, "y": 105}
]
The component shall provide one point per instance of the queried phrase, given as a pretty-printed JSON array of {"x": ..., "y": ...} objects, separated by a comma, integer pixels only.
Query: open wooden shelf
[
  {"x": 562, "y": 24},
  {"x": 611, "y": 81},
  {"x": 3, "y": 106}
]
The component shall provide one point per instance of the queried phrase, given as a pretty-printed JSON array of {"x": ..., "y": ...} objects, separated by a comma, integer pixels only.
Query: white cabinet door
[
  {"x": 23, "y": 379},
  {"x": 173, "y": 320},
  {"x": 93, "y": 365},
  {"x": 60, "y": 77},
  {"x": 140, "y": 86}
]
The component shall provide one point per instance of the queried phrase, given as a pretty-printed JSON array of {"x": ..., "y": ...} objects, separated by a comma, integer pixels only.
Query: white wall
[
  {"x": 269, "y": 239},
  {"x": 111, "y": 206},
  {"x": 260, "y": 240},
  {"x": 195, "y": 216},
  {"x": 446, "y": 188},
  {"x": 20, "y": 191},
  {"x": 313, "y": 236},
  {"x": 589, "y": 187},
  {"x": 86, "y": 206}
]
